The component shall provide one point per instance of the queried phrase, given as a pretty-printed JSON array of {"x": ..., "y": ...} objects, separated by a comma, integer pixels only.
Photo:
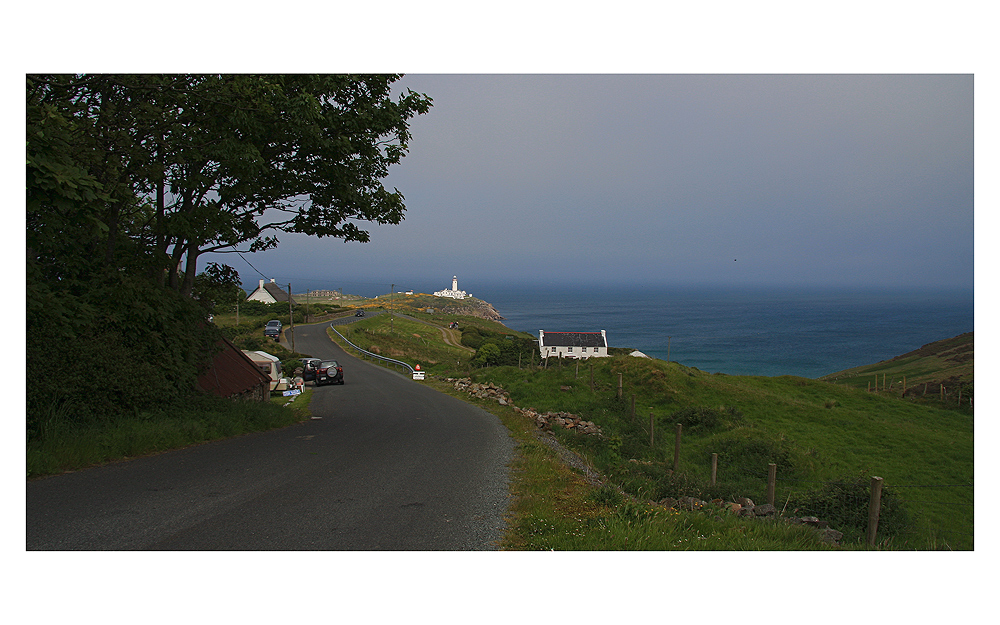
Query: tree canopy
[{"x": 174, "y": 166}]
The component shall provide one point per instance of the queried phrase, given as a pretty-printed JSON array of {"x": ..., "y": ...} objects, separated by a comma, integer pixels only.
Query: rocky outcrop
[{"x": 471, "y": 307}]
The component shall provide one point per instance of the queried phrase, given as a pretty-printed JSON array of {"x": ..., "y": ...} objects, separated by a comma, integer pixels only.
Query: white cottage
[
  {"x": 573, "y": 344},
  {"x": 269, "y": 293}
]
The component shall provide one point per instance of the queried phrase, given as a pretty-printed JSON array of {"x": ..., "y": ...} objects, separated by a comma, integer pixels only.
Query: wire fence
[{"x": 863, "y": 507}]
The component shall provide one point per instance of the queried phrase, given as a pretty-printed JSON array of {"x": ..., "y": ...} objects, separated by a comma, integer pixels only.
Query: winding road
[{"x": 385, "y": 464}]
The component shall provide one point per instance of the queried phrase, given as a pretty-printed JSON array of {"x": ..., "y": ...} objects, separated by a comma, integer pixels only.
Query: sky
[{"x": 687, "y": 179}]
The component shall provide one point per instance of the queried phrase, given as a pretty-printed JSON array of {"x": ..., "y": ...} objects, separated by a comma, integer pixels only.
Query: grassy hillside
[
  {"x": 825, "y": 439},
  {"x": 921, "y": 373}
]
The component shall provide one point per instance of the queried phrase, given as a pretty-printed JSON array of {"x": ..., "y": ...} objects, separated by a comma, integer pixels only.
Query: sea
[{"x": 808, "y": 332}]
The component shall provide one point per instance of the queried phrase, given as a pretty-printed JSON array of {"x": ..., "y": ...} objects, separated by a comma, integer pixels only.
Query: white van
[{"x": 271, "y": 367}]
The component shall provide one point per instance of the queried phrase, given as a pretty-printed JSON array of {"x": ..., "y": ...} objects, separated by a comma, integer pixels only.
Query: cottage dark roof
[
  {"x": 275, "y": 291},
  {"x": 573, "y": 339},
  {"x": 231, "y": 372}
]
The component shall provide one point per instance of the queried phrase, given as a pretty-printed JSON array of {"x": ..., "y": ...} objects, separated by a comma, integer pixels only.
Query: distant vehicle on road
[
  {"x": 328, "y": 372},
  {"x": 360, "y": 313},
  {"x": 273, "y": 329}
]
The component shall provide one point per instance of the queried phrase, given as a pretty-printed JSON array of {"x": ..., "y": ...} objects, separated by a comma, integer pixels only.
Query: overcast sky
[{"x": 668, "y": 179}]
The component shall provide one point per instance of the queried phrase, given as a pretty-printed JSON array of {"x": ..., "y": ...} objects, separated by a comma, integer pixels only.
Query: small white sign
[
  {"x": 290, "y": 393},
  {"x": 418, "y": 375}
]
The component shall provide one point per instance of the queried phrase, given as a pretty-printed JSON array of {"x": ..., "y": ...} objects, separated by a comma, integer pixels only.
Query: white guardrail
[{"x": 366, "y": 353}]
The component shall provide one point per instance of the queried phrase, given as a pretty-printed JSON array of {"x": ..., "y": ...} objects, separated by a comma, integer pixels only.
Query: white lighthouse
[{"x": 453, "y": 292}]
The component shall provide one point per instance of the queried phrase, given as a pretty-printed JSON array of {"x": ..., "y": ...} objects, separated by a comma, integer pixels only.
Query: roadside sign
[
  {"x": 418, "y": 375},
  {"x": 290, "y": 393}
]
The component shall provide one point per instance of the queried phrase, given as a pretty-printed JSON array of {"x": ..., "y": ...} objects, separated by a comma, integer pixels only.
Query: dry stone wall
[{"x": 544, "y": 420}]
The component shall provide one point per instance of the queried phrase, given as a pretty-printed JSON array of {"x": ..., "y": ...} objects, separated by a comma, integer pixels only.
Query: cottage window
[
  {"x": 583, "y": 349},
  {"x": 569, "y": 349}
]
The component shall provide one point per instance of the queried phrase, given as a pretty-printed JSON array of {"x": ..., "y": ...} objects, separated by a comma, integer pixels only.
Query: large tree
[{"x": 207, "y": 163}]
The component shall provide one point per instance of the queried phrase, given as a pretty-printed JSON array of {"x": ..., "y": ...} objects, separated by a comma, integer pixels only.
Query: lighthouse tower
[{"x": 453, "y": 292}]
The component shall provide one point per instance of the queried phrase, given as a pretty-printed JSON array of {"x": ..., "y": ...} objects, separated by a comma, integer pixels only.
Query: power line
[{"x": 251, "y": 265}]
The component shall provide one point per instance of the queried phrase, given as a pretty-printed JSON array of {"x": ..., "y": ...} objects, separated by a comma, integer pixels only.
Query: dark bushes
[{"x": 844, "y": 503}]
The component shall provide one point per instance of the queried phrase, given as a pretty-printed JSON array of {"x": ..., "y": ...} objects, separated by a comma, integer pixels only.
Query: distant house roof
[
  {"x": 277, "y": 293},
  {"x": 231, "y": 373},
  {"x": 573, "y": 339},
  {"x": 269, "y": 292}
]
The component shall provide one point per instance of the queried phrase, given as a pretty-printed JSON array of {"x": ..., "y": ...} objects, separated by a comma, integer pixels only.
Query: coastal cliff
[{"x": 470, "y": 307}]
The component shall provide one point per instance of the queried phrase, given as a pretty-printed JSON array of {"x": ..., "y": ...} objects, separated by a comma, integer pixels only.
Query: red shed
[{"x": 233, "y": 375}]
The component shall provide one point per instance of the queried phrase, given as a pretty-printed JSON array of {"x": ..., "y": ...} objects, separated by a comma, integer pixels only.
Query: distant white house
[
  {"x": 453, "y": 292},
  {"x": 573, "y": 344},
  {"x": 269, "y": 293}
]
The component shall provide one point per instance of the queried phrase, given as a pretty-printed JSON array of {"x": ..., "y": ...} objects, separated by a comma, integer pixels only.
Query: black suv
[
  {"x": 273, "y": 329},
  {"x": 329, "y": 372},
  {"x": 360, "y": 313}
]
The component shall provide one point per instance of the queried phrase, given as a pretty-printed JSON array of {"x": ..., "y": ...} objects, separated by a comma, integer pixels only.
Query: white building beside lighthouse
[{"x": 453, "y": 292}]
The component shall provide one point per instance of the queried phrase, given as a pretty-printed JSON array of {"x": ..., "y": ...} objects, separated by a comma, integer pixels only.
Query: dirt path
[{"x": 447, "y": 334}]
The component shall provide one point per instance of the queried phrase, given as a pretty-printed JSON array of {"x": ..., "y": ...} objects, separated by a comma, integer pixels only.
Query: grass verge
[{"x": 68, "y": 447}]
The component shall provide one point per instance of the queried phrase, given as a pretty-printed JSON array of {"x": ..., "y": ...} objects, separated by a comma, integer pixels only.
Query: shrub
[
  {"x": 471, "y": 338},
  {"x": 844, "y": 503},
  {"x": 700, "y": 419},
  {"x": 749, "y": 450},
  {"x": 488, "y": 354}
]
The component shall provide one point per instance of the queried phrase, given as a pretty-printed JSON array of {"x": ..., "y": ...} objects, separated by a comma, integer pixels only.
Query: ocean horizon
[{"x": 766, "y": 331}]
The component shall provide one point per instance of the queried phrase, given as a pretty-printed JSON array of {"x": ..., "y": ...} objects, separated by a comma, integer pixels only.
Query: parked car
[
  {"x": 360, "y": 313},
  {"x": 328, "y": 372},
  {"x": 273, "y": 329},
  {"x": 309, "y": 367}
]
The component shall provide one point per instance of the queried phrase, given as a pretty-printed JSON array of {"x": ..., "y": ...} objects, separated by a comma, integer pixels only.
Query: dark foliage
[
  {"x": 845, "y": 502},
  {"x": 702, "y": 420}
]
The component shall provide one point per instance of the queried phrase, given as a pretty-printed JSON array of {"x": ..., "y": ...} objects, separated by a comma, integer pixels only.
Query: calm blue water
[{"x": 768, "y": 332}]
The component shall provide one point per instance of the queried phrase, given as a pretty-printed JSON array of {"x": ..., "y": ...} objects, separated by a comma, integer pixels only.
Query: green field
[{"x": 825, "y": 439}]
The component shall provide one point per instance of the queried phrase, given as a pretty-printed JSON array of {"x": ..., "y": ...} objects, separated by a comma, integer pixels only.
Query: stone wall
[{"x": 544, "y": 420}]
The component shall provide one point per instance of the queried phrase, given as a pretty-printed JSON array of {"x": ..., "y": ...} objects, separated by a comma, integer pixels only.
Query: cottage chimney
[{"x": 261, "y": 284}]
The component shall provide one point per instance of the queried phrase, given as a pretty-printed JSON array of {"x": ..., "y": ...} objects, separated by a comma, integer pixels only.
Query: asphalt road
[{"x": 389, "y": 465}]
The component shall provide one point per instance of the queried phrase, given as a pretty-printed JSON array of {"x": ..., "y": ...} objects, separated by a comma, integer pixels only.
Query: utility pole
[{"x": 291, "y": 317}]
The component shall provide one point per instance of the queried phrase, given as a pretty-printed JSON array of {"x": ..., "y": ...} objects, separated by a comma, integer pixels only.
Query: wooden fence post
[
  {"x": 874, "y": 506},
  {"x": 677, "y": 448},
  {"x": 772, "y": 473},
  {"x": 619, "y": 386},
  {"x": 715, "y": 467}
]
